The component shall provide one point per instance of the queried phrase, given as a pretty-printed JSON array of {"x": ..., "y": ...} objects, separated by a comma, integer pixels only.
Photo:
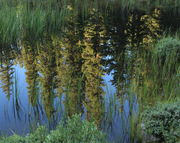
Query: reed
[{"x": 35, "y": 19}]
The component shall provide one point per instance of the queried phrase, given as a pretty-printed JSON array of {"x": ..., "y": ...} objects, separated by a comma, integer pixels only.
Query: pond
[{"x": 104, "y": 70}]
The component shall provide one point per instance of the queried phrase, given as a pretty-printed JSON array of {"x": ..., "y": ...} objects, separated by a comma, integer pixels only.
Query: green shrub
[
  {"x": 168, "y": 48},
  {"x": 13, "y": 139},
  {"x": 74, "y": 131},
  {"x": 38, "y": 136},
  {"x": 163, "y": 121}
]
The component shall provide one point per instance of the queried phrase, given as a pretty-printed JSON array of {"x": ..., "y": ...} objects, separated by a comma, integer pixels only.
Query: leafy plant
[
  {"x": 13, "y": 139},
  {"x": 167, "y": 49},
  {"x": 38, "y": 136},
  {"x": 163, "y": 121},
  {"x": 74, "y": 131}
]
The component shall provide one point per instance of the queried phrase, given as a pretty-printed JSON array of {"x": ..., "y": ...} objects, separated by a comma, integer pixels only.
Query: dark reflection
[{"x": 65, "y": 73}]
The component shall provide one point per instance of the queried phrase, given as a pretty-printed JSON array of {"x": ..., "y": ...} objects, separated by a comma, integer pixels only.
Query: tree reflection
[
  {"x": 47, "y": 69},
  {"x": 29, "y": 54},
  {"x": 92, "y": 67},
  {"x": 6, "y": 71}
]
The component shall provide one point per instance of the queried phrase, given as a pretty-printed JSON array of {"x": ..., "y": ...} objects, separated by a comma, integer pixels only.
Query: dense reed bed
[{"x": 34, "y": 19}]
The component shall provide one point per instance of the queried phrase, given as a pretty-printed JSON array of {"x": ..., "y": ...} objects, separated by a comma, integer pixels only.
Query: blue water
[{"x": 18, "y": 116}]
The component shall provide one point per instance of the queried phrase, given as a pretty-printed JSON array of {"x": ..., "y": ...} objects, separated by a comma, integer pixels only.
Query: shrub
[
  {"x": 167, "y": 46},
  {"x": 74, "y": 131},
  {"x": 167, "y": 51},
  {"x": 163, "y": 121},
  {"x": 13, "y": 139},
  {"x": 38, "y": 136}
]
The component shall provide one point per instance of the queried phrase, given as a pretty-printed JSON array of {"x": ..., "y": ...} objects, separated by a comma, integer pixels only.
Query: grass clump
[
  {"x": 163, "y": 121},
  {"x": 74, "y": 131},
  {"x": 168, "y": 48},
  {"x": 165, "y": 67}
]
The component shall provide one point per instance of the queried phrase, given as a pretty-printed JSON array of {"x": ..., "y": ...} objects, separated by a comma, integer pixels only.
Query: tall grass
[
  {"x": 35, "y": 19},
  {"x": 166, "y": 65},
  {"x": 158, "y": 77}
]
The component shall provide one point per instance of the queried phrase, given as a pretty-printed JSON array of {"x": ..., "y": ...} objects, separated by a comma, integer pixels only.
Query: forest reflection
[{"x": 72, "y": 65}]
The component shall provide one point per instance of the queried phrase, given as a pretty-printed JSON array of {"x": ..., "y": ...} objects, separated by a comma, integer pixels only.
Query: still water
[
  {"x": 104, "y": 76},
  {"x": 20, "y": 117}
]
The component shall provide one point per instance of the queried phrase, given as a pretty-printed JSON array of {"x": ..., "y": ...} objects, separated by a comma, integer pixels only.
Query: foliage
[
  {"x": 74, "y": 131},
  {"x": 163, "y": 121},
  {"x": 165, "y": 64},
  {"x": 168, "y": 48},
  {"x": 13, "y": 139},
  {"x": 151, "y": 27},
  {"x": 143, "y": 30},
  {"x": 38, "y": 136},
  {"x": 21, "y": 19},
  {"x": 157, "y": 71}
]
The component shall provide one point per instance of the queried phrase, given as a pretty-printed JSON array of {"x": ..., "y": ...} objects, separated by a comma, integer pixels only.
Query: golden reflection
[{"x": 92, "y": 68}]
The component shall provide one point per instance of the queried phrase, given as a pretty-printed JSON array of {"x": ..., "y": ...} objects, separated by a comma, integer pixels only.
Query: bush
[
  {"x": 38, "y": 136},
  {"x": 13, "y": 139},
  {"x": 163, "y": 121},
  {"x": 74, "y": 131},
  {"x": 167, "y": 56},
  {"x": 168, "y": 47}
]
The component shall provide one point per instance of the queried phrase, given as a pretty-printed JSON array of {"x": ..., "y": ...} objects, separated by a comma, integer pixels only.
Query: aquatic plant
[
  {"x": 32, "y": 20},
  {"x": 158, "y": 70},
  {"x": 165, "y": 64}
]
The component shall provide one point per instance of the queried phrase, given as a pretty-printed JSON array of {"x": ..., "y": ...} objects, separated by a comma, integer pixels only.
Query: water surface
[{"x": 99, "y": 74}]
